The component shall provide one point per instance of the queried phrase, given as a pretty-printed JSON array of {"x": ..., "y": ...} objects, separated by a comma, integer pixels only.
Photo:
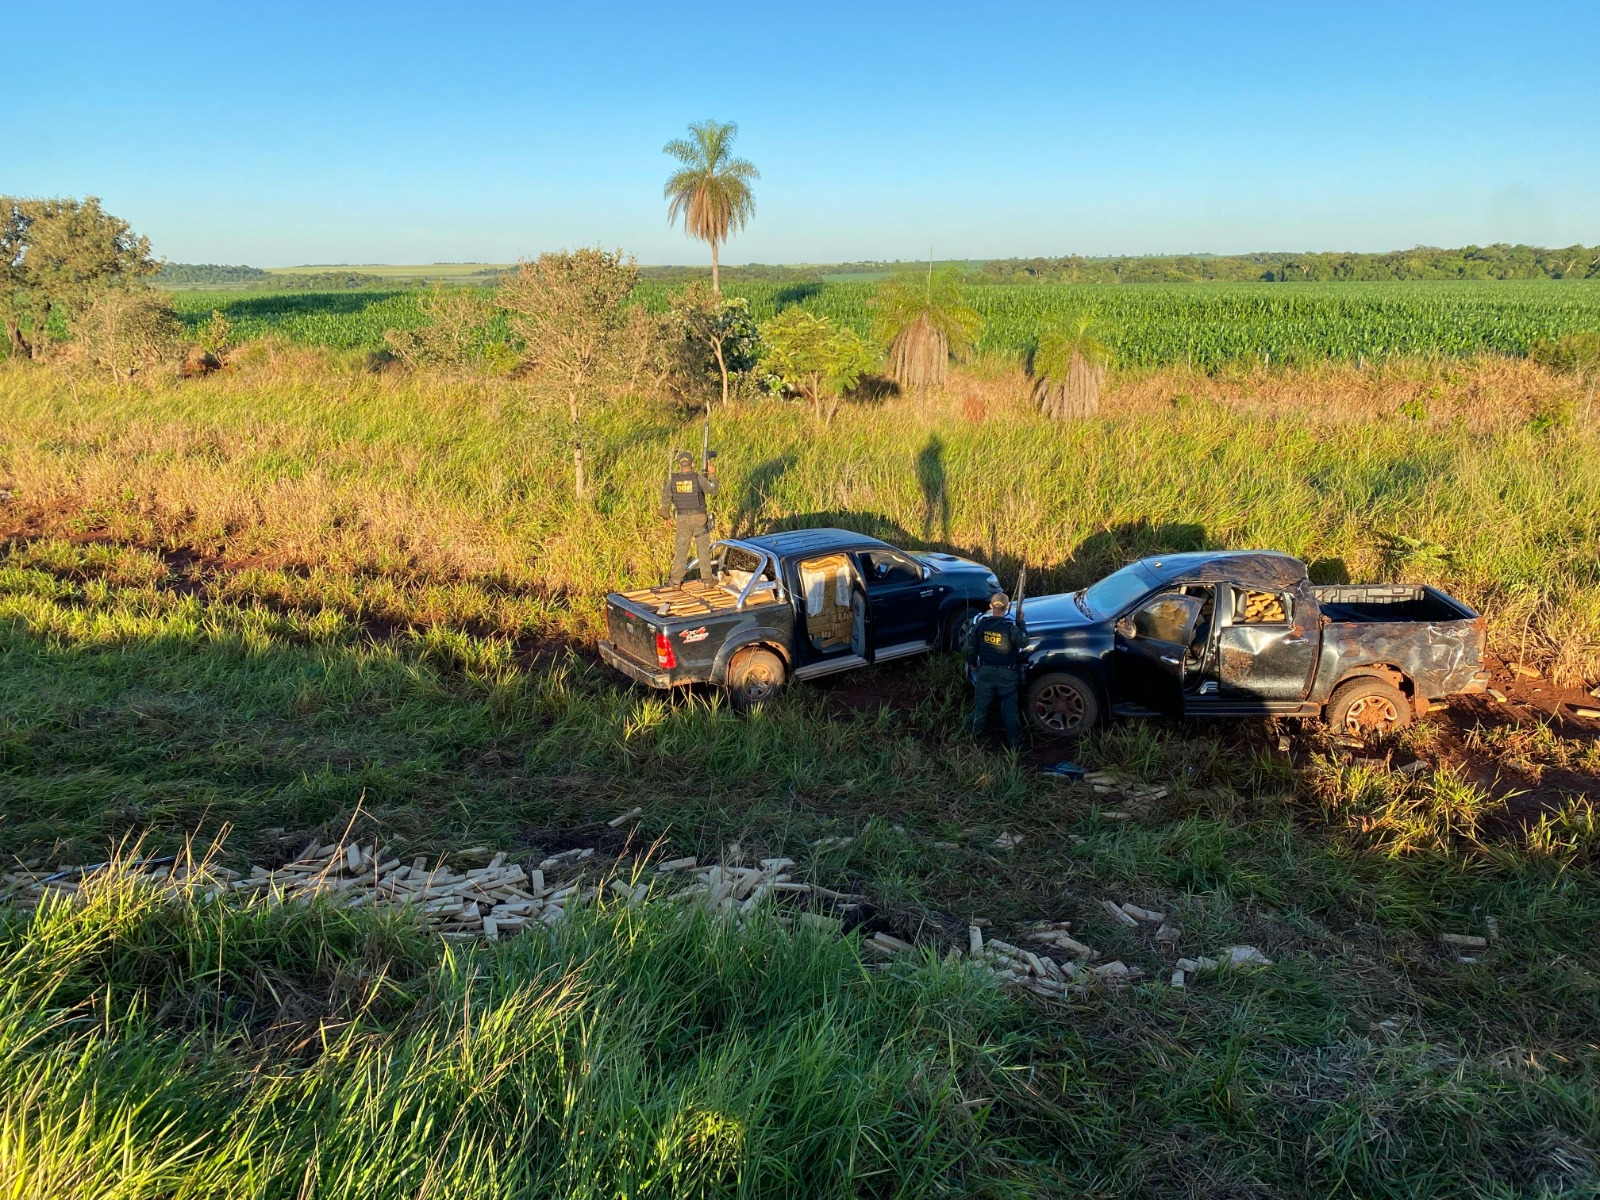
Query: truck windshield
[{"x": 1114, "y": 593}]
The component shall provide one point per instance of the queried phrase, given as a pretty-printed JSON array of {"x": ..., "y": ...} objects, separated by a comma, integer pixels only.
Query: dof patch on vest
[
  {"x": 684, "y": 485},
  {"x": 994, "y": 638}
]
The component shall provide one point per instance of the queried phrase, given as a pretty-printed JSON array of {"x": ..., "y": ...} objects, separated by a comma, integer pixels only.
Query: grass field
[
  {"x": 296, "y": 597},
  {"x": 1149, "y": 325}
]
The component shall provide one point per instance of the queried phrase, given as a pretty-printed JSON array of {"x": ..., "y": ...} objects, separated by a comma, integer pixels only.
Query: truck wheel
[
  {"x": 1368, "y": 708},
  {"x": 754, "y": 677},
  {"x": 1062, "y": 704},
  {"x": 955, "y": 627}
]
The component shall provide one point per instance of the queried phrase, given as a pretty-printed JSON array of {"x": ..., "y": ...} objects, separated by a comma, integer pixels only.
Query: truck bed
[
  {"x": 692, "y": 598},
  {"x": 1377, "y": 603}
]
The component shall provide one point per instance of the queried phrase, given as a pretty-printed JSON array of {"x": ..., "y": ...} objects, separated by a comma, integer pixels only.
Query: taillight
[{"x": 665, "y": 658}]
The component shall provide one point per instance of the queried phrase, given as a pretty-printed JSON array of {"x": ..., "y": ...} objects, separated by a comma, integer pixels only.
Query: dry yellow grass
[{"x": 299, "y": 458}]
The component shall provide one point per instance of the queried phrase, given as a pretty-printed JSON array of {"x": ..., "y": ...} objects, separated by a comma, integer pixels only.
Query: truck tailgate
[{"x": 631, "y": 630}]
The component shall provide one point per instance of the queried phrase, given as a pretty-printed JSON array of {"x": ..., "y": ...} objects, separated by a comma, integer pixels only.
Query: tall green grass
[{"x": 162, "y": 1050}]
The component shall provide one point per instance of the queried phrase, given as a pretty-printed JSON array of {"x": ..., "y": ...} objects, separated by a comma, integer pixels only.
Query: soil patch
[{"x": 889, "y": 686}]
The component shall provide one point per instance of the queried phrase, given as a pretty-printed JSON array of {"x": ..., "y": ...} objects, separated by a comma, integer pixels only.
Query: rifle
[
  {"x": 706, "y": 455},
  {"x": 1022, "y": 627}
]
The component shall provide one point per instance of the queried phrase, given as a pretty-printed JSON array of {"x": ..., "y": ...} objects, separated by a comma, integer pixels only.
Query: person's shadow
[
  {"x": 933, "y": 481},
  {"x": 753, "y": 498}
]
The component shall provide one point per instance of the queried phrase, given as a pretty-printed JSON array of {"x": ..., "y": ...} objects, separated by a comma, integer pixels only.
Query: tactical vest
[
  {"x": 687, "y": 495},
  {"x": 998, "y": 641}
]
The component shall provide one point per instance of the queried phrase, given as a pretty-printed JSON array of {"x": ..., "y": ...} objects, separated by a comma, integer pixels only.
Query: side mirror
[{"x": 1125, "y": 628}]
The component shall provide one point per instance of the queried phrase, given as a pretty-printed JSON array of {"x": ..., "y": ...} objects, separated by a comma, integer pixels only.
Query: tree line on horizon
[{"x": 1501, "y": 261}]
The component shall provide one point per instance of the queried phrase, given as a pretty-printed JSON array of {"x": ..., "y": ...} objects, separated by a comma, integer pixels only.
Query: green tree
[
  {"x": 720, "y": 336},
  {"x": 570, "y": 310},
  {"x": 54, "y": 256},
  {"x": 814, "y": 357},
  {"x": 924, "y": 322},
  {"x": 711, "y": 191},
  {"x": 1069, "y": 370}
]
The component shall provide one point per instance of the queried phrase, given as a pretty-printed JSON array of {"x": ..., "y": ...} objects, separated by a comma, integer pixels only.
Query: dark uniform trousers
[
  {"x": 996, "y": 685},
  {"x": 690, "y": 527},
  {"x": 995, "y": 646}
]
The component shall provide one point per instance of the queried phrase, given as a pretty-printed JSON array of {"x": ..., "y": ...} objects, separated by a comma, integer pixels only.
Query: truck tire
[
  {"x": 755, "y": 676},
  {"x": 1368, "y": 707},
  {"x": 1062, "y": 704},
  {"x": 955, "y": 627}
]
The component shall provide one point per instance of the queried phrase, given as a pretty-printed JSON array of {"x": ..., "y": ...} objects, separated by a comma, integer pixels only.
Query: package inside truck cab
[{"x": 826, "y": 582}]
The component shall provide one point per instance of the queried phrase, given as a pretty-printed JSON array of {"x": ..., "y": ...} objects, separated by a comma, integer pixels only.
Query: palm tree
[
  {"x": 924, "y": 322},
  {"x": 712, "y": 189},
  {"x": 1069, "y": 370}
]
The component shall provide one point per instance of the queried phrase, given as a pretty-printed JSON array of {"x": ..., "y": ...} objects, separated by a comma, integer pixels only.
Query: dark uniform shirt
[
  {"x": 685, "y": 493},
  {"x": 996, "y": 642}
]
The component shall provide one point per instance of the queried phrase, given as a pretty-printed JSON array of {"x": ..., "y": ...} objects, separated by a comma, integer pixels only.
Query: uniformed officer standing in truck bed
[
  {"x": 683, "y": 502},
  {"x": 995, "y": 648}
]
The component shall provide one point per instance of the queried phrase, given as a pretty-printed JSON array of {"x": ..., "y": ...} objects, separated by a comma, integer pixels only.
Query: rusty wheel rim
[
  {"x": 1058, "y": 708},
  {"x": 758, "y": 684},
  {"x": 1371, "y": 714}
]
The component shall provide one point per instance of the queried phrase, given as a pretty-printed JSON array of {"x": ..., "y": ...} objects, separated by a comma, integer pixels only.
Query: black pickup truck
[
  {"x": 792, "y": 605},
  {"x": 1245, "y": 633}
]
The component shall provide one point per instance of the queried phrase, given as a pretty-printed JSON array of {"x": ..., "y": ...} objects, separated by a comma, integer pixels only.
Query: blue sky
[{"x": 353, "y": 132}]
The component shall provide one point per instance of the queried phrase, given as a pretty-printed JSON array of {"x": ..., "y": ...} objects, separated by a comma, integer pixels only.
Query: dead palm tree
[
  {"x": 1069, "y": 370},
  {"x": 712, "y": 189},
  {"x": 924, "y": 322}
]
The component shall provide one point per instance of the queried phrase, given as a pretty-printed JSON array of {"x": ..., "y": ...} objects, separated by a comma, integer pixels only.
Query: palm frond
[
  {"x": 711, "y": 193},
  {"x": 1069, "y": 367},
  {"x": 684, "y": 152},
  {"x": 924, "y": 321}
]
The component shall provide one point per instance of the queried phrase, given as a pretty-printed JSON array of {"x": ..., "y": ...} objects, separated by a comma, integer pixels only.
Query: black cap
[{"x": 683, "y": 456}]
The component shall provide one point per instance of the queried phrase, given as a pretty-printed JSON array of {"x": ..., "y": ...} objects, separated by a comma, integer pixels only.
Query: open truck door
[
  {"x": 1152, "y": 641},
  {"x": 863, "y": 639},
  {"x": 835, "y": 613}
]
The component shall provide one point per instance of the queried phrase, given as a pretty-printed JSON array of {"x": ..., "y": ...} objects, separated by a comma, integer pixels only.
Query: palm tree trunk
[
  {"x": 716, "y": 284},
  {"x": 722, "y": 369}
]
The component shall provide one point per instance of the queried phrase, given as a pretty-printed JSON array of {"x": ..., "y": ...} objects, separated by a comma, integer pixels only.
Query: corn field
[{"x": 1146, "y": 325}]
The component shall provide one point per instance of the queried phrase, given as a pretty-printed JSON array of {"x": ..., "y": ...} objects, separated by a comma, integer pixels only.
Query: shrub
[{"x": 126, "y": 330}]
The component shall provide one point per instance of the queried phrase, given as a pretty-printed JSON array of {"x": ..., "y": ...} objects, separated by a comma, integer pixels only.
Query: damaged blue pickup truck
[{"x": 1245, "y": 633}]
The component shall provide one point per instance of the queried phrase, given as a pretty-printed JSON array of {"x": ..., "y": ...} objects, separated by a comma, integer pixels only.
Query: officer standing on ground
[
  {"x": 995, "y": 648},
  {"x": 683, "y": 505}
]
